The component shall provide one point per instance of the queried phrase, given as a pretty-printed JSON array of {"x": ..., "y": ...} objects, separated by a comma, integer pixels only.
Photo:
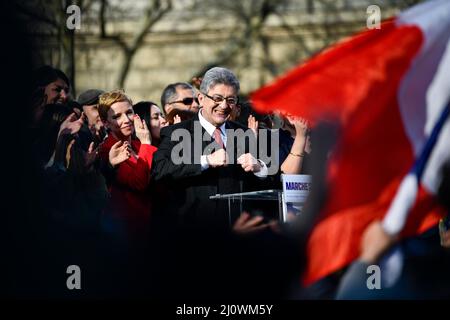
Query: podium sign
[{"x": 295, "y": 192}]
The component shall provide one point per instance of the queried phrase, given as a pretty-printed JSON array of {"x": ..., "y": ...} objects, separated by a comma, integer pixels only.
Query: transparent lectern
[{"x": 261, "y": 195}]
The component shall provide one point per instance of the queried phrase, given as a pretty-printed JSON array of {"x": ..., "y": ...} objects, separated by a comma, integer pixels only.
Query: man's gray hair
[{"x": 218, "y": 75}]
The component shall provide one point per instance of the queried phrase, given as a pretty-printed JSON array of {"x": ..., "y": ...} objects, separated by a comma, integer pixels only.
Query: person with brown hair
[{"x": 50, "y": 86}]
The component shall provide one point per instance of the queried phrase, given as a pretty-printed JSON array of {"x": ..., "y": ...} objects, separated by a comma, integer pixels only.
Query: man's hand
[
  {"x": 141, "y": 129},
  {"x": 119, "y": 152},
  {"x": 249, "y": 163},
  {"x": 71, "y": 125},
  {"x": 246, "y": 224},
  {"x": 218, "y": 158},
  {"x": 375, "y": 241}
]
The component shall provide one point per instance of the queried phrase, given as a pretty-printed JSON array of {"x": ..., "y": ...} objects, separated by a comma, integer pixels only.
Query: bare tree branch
[
  {"x": 267, "y": 60},
  {"x": 85, "y": 5},
  {"x": 103, "y": 34},
  {"x": 242, "y": 42},
  {"x": 152, "y": 15},
  {"x": 154, "y": 12},
  {"x": 293, "y": 35},
  {"x": 103, "y": 4}
]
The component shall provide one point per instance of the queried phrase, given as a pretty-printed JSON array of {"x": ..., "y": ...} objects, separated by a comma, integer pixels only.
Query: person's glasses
[
  {"x": 231, "y": 101},
  {"x": 186, "y": 101}
]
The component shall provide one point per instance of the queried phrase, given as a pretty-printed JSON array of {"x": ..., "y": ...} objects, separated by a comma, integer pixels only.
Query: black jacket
[{"x": 189, "y": 187}]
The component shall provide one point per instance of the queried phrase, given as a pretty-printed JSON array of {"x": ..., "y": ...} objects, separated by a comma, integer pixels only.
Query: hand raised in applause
[
  {"x": 119, "y": 152},
  {"x": 141, "y": 129},
  {"x": 71, "y": 125},
  {"x": 301, "y": 126},
  {"x": 253, "y": 124}
]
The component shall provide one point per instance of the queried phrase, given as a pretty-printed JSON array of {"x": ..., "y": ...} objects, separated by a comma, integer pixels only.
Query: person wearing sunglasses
[{"x": 180, "y": 96}]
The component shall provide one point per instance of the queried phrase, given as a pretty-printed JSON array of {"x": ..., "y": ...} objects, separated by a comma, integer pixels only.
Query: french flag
[{"x": 389, "y": 88}]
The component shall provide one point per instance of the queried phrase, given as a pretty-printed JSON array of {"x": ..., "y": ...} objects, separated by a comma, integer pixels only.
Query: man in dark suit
[{"x": 207, "y": 161}]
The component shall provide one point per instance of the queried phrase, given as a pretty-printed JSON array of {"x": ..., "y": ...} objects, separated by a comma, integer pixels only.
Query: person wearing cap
[{"x": 89, "y": 102}]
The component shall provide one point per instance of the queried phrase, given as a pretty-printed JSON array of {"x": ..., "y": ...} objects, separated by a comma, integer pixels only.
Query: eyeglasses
[
  {"x": 186, "y": 101},
  {"x": 231, "y": 101}
]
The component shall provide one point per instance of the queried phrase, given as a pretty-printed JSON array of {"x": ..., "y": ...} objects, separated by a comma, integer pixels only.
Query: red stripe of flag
[{"x": 355, "y": 82}]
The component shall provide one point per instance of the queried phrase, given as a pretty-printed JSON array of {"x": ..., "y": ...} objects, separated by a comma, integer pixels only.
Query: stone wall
[{"x": 184, "y": 41}]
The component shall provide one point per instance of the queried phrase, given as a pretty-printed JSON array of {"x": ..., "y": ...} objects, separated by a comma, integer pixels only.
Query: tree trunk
[
  {"x": 125, "y": 67},
  {"x": 67, "y": 47}
]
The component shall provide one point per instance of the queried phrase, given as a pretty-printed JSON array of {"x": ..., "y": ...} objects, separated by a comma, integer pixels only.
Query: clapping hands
[
  {"x": 253, "y": 124},
  {"x": 71, "y": 125},
  {"x": 141, "y": 129},
  {"x": 119, "y": 152},
  {"x": 249, "y": 163},
  {"x": 301, "y": 125},
  {"x": 218, "y": 158}
]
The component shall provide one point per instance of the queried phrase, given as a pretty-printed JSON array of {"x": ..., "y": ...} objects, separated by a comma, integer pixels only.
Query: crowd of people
[
  {"x": 110, "y": 191},
  {"x": 117, "y": 194}
]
